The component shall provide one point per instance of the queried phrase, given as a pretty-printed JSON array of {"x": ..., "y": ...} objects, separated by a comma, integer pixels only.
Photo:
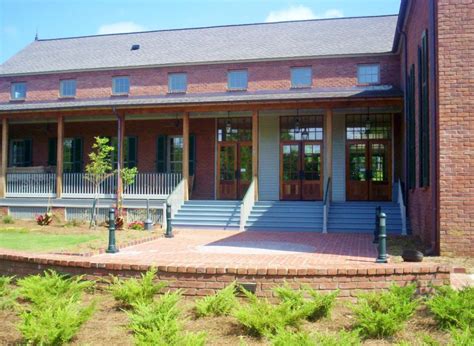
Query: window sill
[
  {"x": 66, "y": 97},
  {"x": 176, "y": 92},
  {"x": 368, "y": 84},
  {"x": 236, "y": 89},
  {"x": 300, "y": 87},
  {"x": 18, "y": 100},
  {"x": 119, "y": 95}
]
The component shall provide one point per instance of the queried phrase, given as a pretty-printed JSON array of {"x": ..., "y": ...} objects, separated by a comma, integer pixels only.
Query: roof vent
[{"x": 135, "y": 47}]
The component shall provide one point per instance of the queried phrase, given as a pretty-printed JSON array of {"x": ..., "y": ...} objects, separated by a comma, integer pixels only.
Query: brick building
[{"x": 305, "y": 125}]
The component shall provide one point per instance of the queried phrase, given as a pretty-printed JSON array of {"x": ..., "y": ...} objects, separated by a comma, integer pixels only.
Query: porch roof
[{"x": 310, "y": 94}]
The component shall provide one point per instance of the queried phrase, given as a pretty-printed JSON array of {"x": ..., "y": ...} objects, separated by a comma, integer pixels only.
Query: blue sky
[{"x": 19, "y": 19}]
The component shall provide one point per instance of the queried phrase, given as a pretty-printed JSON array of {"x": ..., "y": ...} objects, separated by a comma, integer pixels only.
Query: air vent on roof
[{"x": 135, "y": 47}]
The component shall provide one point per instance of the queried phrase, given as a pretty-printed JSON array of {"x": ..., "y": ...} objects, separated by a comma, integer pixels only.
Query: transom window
[
  {"x": 373, "y": 126},
  {"x": 175, "y": 154},
  {"x": 120, "y": 85},
  {"x": 301, "y": 77},
  {"x": 20, "y": 153},
  {"x": 67, "y": 88},
  {"x": 237, "y": 80},
  {"x": 18, "y": 91},
  {"x": 305, "y": 127},
  {"x": 234, "y": 129},
  {"x": 368, "y": 74},
  {"x": 177, "y": 82}
]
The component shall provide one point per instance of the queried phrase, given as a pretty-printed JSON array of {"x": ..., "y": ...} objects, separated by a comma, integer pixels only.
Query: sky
[{"x": 21, "y": 19}]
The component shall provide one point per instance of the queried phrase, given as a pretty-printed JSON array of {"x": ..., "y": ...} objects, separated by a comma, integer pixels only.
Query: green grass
[{"x": 22, "y": 239}]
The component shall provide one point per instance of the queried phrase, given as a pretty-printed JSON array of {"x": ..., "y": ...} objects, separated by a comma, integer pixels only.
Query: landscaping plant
[
  {"x": 462, "y": 337},
  {"x": 8, "y": 219},
  {"x": 284, "y": 337},
  {"x": 8, "y": 295},
  {"x": 220, "y": 304},
  {"x": 44, "y": 220},
  {"x": 132, "y": 291},
  {"x": 137, "y": 225},
  {"x": 453, "y": 308},
  {"x": 384, "y": 314},
  {"x": 342, "y": 338}
]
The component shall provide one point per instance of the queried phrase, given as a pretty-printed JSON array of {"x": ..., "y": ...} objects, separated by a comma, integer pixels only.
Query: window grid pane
[
  {"x": 237, "y": 80},
  {"x": 18, "y": 90},
  {"x": 120, "y": 85},
  {"x": 240, "y": 129},
  {"x": 363, "y": 126},
  {"x": 177, "y": 82},
  {"x": 368, "y": 74},
  {"x": 67, "y": 87},
  {"x": 305, "y": 127},
  {"x": 300, "y": 77}
]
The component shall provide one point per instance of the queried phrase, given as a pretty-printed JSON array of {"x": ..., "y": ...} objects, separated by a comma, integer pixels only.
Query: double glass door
[
  {"x": 301, "y": 170},
  {"x": 368, "y": 170},
  {"x": 234, "y": 169}
]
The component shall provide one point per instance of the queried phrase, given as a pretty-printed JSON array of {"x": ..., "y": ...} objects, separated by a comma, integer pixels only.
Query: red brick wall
[
  {"x": 456, "y": 125},
  {"x": 327, "y": 73},
  {"x": 420, "y": 199}
]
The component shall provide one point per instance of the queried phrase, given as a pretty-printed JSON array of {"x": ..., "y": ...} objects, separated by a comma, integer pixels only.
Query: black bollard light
[
  {"x": 378, "y": 210},
  {"x": 148, "y": 224},
  {"x": 169, "y": 230},
  {"x": 112, "y": 248},
  {"x": 382, "y": 258}
]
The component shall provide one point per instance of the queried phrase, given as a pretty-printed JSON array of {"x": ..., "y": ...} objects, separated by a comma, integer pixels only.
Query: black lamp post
[
  {"x": 382, "y": 258},
  {"x": 169, "y": 230},
  {"x": 112, "y": 248}
]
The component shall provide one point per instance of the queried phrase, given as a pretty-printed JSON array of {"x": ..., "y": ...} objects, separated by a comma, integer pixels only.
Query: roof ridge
[{"x": 216, "y": 26}]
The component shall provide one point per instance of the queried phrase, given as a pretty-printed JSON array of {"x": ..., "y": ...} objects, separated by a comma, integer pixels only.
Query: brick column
[
  {"x": 59, "y": 156},
  {"x": 186, "y": 155},
  {"x": 3, "y": 169}
]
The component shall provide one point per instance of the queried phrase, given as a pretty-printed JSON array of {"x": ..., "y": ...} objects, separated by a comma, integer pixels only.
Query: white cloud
[
  {"x": 10, "y": 30},
  {"x": 120, "y": 27},
  {"x": 300, "y": 12}
]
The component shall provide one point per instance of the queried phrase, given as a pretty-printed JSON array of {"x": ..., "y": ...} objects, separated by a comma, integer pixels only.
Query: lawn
[{"x": 60, "y": 237}]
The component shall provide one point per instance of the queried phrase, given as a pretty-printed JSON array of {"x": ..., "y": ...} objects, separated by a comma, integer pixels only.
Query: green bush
[
  {"x": 8, "y": 219},
  {"x": 8, "y": 295},
  {"x": 453, "y": 308},
  {"x": 41, "y": 290},
  {"x": 291, "y": 338},
  {"x": 288, "y": 338},
  {"x": 462, "y": 337},
  {"x": 220, "y": 304},
  {"x": 260, "y": 318},
  {"x": 157, "y": 323},
  {"x": 317, "y": 306},
  {"x": 343, "y": 338},
  {"x": 55, "y": 323},
  {"x": 132, "y": 291},
  {"x": 384, "y": 314}
]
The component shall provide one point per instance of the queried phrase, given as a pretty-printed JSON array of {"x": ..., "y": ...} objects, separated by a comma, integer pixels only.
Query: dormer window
[
  {"x": 368, "y": 74},
  {"x": 18, "y": 91},
  {"x": 237, "y": 80},
  {"x": 67, "y": 88},
  {"x": 301, "y": 77},
  {"x": 177, "y": 82},
  {"x": 120, "y": 85}
]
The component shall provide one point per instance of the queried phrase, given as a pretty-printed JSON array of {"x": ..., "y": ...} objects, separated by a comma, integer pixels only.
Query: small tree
[
  {"x": 99, "y": 169},
  {"x": 128, "y": 178}
]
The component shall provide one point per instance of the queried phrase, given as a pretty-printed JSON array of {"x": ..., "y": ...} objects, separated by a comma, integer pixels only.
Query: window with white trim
[
  {"x": 177, "y": 82},
  {"x": 237, "y": 80},
  {"x": 18, "y": 91},
  {"x": 67, "y": 88},
  {"x": 368, "y": 74},
  {"x": 301, "y": 77},
  {"x": 120, "y": 85}
]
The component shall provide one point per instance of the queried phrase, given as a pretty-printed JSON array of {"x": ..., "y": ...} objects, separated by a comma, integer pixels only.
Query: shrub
[
  {"x": 55, "y": 323},
  {"x": 219, "y": 304},
  {"x": 137, "y": 225},
  {"x": 384, "y": 314},
  {"x": 42, "y": 290},
  {"x": 261, "y": 318},
  {"x": 157, "y": 323},
  {"x": 8, "y": 219},
  {"x": 462, "y": 337},
  {"x": 343, "y": 338},
  {"x": 44, "y": 220},
  {"x": 7, "y": 294},
  {"x": 131, "y": 291},
  {"x": 317, "y": 306},
  {"x": 74, "y": 223},
  {"x": 453, "y": 308},
  {"x": 287, "y": 338}
]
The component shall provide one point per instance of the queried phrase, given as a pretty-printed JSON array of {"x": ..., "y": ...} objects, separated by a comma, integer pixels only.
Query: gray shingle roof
[
  {"x": 283, "y": 40},
  {"x": 223, "y": 97}
]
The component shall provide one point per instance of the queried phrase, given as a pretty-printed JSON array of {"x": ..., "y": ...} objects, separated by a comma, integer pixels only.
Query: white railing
[
  {"x": 247, "y": 204},
  {"x": 31, "y": 185},
  {"x": 175, "y": 200},
  {"x": 79, "y": 185},
  {"x": 152, "y": 185},
  {"x": 403, "y": 210},
  {"x": 326, "y": 205}
]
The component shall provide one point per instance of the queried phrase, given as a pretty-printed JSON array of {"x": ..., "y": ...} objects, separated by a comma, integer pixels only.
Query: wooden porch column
[
  {"x": 120, "y": 155},
  {"x": 328, "y": 144},
  {"x": 3, "y": 169},
  {"x": 186, "y": 155},
  {"x": 59, "y": 156},
  {"x": 255, "y": 152}
]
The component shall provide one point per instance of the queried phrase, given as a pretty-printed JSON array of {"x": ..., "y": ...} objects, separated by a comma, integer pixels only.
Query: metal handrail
[{"x": 326, "y": 205}]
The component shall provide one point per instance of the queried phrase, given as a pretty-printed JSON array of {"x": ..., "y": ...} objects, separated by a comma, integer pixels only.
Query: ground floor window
[
  {"x": 129, "y": 150},
  {"x": 175, "y": 154},
  {"x": 72, "y": 154},
  {"x": 169, "y": 154},
  {"x": 305, "y": 127},
  {"x": 20, "y": 153},
  {"x": 234, "y": 129}
]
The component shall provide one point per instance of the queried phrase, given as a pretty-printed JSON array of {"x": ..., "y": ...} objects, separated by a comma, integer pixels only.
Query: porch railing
[
  {"x": 31, "y": 185},
  {"x": 403, "y": 210},
  {"x": 80, "y": 185},
  {"x": 247, "y": 204},
  {"x": 152, "y": 185},
  {"x": 326, "y": 205}
]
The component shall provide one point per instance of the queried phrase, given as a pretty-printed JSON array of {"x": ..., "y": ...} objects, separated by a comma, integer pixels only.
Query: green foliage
[
  {"x": 8, "y": 295},
  {"x": 128, "y": 175},
  {"x": 100, "y": 161},
  {"x": 453, "y": 308},
  {"x": 74, "y": 223},
  {"x": 291, "y": 338},
  {"x": 42, "y": 290},
  {"x": 219, "y": 304},
  {"x": 288, "y": 338},
  {"x": 343, "y": 338},
  {"x": 55, "y": 323},
  {"x": 132, "y": 291},
  {"x": 384, "y": 314},
  {"x": 157, "y": 323},
  {"x": 8, "y": 219},
  {"x": 462, "y": 337},
  {"x": 260, "y": 318}
]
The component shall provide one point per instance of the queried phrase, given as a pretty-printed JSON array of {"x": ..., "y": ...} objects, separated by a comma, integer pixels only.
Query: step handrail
[
  {"x": 326, "y": 205},
  {"x": 403, "y": 210},
  {"x": 247, "y": 204}
]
